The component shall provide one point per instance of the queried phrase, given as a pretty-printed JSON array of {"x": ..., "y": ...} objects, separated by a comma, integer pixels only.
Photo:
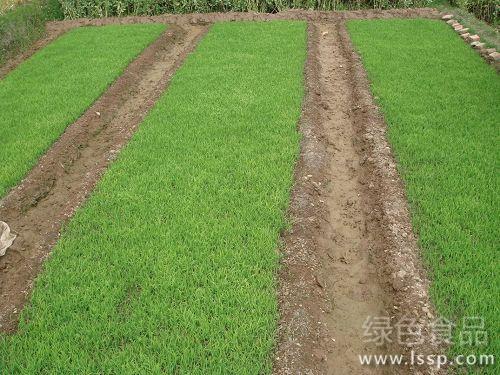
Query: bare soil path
[
  {"x": 65, "y": 176},
  {"x": 349, "y": 268},
  {"x": 351, "y": 231}
]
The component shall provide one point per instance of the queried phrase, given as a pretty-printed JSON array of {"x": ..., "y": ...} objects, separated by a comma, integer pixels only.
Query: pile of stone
[{"x": 489, "y": 54}]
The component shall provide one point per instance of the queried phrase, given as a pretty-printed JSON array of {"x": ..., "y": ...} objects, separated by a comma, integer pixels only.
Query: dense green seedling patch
[
  {"x": 170, "y": 266},
  {"x": 46, "y": 93},
  {"x": 442, "y": 104}
]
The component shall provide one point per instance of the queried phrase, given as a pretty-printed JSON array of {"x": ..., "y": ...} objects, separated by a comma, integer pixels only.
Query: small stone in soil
[
  {"x": 495, "y": 56},
  {"x": 474, "y": 38},
  {"x": 447, "y": 17},
  {"x": 401, "y": 274},
  {"x": 397, "y": 284}
]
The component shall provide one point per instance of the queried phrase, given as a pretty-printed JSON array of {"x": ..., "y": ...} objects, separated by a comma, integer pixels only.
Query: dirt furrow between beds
[
  {"x": 67, "y": 173},
  {"x": 349, "y": 268},
  {"x": 351, "y": 228},
  {"x": 344, "y": 280}
]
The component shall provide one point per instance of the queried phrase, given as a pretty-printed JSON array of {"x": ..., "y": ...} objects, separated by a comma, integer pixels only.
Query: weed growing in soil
[
  {"x": 441, "y": 102},
  {"x": 170, "y": 266},
  {"x": 46, "y": 93},
  {"x": 23, "y": 22}
]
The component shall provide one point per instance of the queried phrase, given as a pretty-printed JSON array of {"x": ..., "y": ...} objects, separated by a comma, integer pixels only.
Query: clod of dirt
[
  {"x": 6, "y": 237},
  {"x": 398, "y": 283}
]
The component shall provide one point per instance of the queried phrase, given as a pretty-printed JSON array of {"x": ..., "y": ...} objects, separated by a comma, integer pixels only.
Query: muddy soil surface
[{"x": 350, "y": 254}]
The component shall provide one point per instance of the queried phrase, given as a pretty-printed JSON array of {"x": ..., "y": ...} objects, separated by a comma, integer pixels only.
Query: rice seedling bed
[
  {"x": 170, "y": 265},
  {"x": 265, "y": 149},
  {"x": 48, "y": 92}
]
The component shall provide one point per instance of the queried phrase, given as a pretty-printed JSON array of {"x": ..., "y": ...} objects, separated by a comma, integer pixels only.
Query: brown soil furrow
[
  {"x": 67, "y": 173},
  {"x": 351, "y": 229},
  {"x": 342, "y": 282},
  {"x": 353, "y": 287},
  {"x": 301, "y": 298},
  {"x": 400, "y": 258}
]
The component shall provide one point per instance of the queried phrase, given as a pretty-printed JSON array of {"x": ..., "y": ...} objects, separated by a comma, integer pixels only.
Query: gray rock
[{"x": 6, "y": 238}]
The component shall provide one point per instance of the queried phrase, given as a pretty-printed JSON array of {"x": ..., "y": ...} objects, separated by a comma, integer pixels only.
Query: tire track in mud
[
  {"x": 64, "y": 177},
  {"x": 351, "y": 226}
]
